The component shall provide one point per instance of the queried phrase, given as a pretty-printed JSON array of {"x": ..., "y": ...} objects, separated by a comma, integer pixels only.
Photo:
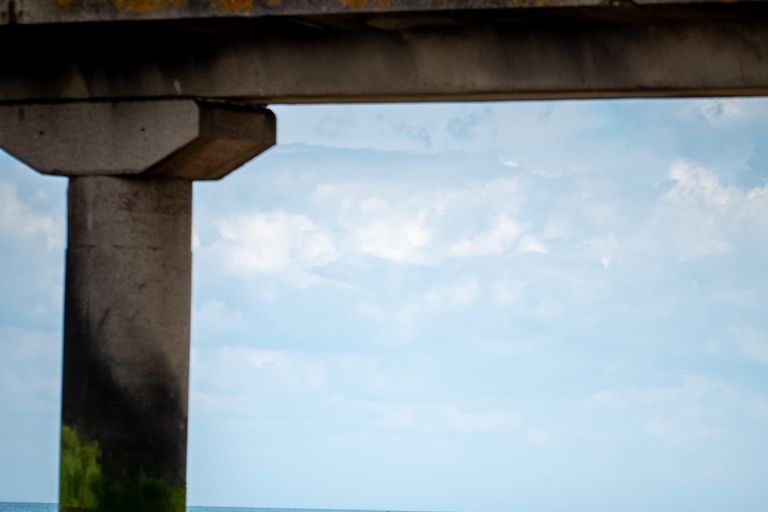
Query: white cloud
[
  {"x": 699, "y": 216},
  {"x": 372, "y": 312},
  {"x": 216, "y": 314},
  {"x": 692, "y": 213},
  {"x": 464, "y": 294},
  {"x": 672, "y": 415},
  {"x": 429, "y": 418},
  {"x": 677, "y": 430},
  {"x": 236, "y": 377},
  {"x": 751, "y": 343},
  {"x": 719, "y": 111},
  {"x": 19, "y": 220},
  {"x": 365, "y": 370},
  {"x": 30, "y": 345},
  {"x": 558, "y": 228},
  {"x": 30, "y": 369},
  {"x": 505, "y": 348},
  {"x": 401, "y": 234},
  {"x": 417, "y": 235},
  {"x": 431, "y": 128},
  {"x": 504, "y": 160},
  {"x": 394, "y": 241},
  {"x": 602, "y": 400},
  {"x": 699, "y": 183},
  {"x": 258, "y": 358},
  {"x": 374, "y": 205},
  {"x": 540, "y": 439},
  {"x": 29, "y": 389},
  {"x": 495, "y": 241},
  {"x": 507, "y": 291},
  {"x": 602, "y": 249},
  {"x": 475, "y": 423},
  {"x": 417, "y": 308},
  {"x": 546, "y": 174},
  {"x": 694, "y": 388},
  {"x": 250, "y": 381},
  {"x": 424, "y": 228},
  {"x": 547, "y": 309},
  {"x": 274, "y": 243},
  {"x": 529, "y": 243},
  {"x": 759, "y": 407}
]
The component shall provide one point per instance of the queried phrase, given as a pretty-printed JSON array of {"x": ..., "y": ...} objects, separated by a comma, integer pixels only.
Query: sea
[{"x": 53, "y": 507}]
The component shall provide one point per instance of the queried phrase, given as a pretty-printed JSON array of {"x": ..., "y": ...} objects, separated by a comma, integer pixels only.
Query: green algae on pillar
[{"x": 84, "y": 487}]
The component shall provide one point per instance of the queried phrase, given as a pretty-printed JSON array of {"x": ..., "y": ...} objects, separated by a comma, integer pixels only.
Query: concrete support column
[
  {"x": 126, "y": 344},
  {"x": 128, "y": 281}
]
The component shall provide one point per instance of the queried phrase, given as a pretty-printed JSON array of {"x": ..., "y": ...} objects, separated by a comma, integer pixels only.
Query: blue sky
[{"x": 470, "y": 307}]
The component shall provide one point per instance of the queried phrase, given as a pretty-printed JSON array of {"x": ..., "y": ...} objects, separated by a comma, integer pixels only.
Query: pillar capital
[{"x": 189, "y": 139}]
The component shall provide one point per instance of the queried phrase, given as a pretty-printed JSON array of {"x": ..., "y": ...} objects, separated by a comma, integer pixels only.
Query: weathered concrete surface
[
  {"x": 260, "y": 62},
  {"x": 126, "y": 345},
  {"x": 58, "y": 11},
  {"x": 180, "y": 138}
]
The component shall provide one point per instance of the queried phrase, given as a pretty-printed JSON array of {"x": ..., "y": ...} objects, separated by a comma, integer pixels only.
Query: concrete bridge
[{"x": 132, "y": 100}]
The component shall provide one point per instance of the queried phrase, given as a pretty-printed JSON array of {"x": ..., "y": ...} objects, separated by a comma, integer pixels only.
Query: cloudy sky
[{"x": 464, "y": 307}]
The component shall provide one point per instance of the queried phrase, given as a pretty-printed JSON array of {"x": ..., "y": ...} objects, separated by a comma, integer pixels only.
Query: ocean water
[
  {"x": 27, "y": 507},
  {"x": 51, "y": 507}
]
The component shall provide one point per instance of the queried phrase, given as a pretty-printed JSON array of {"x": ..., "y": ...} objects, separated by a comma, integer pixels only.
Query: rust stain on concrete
[
  {"x": 236, "y": 5},
  {"x": 137, "y": 5},
  {"x": 354, "y": 5},
  {"x": 145, "y": 5},
  {"x": 359, "y": 5}
]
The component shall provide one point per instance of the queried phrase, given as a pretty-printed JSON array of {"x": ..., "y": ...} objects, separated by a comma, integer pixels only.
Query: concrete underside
[{"x": 444, "y": 55}]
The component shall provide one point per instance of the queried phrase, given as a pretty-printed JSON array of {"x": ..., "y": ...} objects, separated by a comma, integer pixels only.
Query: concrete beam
[
  {"x": 67, "y": 11},
  {"x": 179, "y": 138},
  {"x": 251, "y": 63}
]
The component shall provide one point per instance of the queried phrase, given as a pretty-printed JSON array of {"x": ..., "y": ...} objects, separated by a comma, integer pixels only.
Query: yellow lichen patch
[
  {"x": 275, "y": 2},
  {"x": 64, "y": 3},
  {"x": 137, "y": 5},
  {"x": 354, "y": 5},
  {"x": 236, "y": 5},
  {"x": 146, "y": 5}
]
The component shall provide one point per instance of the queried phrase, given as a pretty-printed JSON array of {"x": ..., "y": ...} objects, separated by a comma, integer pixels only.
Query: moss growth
[
  {"x": 80, "y": 477},
  {"x": 150, "y": 495},
  {"x": 85, "y": 489}
]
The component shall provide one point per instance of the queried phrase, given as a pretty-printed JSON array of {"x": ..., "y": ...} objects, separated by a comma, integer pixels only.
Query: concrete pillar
[
  {"x": 126, "y": 344},
  {"x": 128, "y": 281}
]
